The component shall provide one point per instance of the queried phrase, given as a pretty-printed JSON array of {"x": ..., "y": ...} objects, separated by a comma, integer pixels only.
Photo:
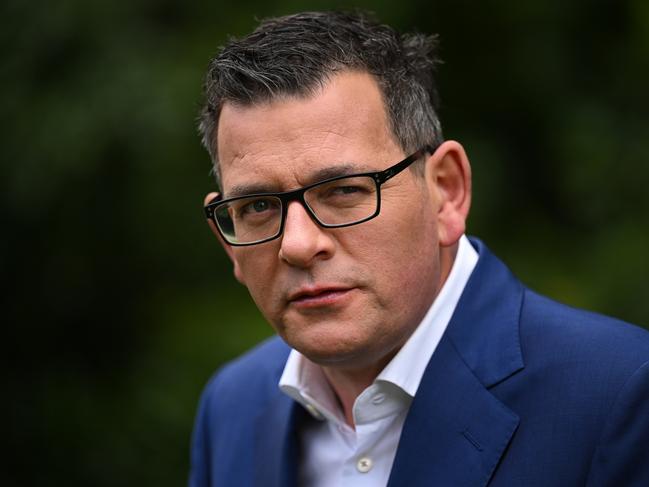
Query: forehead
[{"x": 284, "y": 142}]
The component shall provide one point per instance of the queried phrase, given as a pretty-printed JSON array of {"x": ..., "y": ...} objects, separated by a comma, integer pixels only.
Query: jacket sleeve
[{"x": 622, "y": 455}]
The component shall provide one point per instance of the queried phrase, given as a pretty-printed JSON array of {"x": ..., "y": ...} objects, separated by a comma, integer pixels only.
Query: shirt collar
[
  {"x": 407, "y": 367},
  {"x": 305, "y": 382}
]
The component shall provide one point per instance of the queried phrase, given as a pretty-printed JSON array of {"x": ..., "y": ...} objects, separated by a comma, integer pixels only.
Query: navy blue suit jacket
[{"x": 521, "y": 391}]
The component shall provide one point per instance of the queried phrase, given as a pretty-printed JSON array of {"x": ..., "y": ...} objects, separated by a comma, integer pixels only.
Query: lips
[{"x": 319, "y": 296}]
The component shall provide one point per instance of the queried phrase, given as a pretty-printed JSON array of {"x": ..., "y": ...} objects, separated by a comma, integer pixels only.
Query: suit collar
[
  {"x": 485, "y": 326},
  {"x": 277, "y": 445}
]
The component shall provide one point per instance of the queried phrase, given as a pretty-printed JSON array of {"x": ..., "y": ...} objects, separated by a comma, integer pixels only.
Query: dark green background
[{"x": 118, "y": 303}]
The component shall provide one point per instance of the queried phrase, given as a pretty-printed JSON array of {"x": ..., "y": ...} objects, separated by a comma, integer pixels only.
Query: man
[{"x": 407, "y": 354}]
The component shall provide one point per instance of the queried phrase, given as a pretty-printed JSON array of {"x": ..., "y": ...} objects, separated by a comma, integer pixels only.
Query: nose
[{"x": 303, "y": 241}]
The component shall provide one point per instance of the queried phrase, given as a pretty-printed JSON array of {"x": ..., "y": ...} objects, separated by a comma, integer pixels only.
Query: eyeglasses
[{"x": 341, "y": 201}]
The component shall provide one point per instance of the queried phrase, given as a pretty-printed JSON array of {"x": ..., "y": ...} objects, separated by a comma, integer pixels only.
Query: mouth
[{"x": 319, "y": 296}]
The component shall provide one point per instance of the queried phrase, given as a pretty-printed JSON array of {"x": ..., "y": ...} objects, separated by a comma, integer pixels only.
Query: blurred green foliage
[{"x": 119, "y": 303}]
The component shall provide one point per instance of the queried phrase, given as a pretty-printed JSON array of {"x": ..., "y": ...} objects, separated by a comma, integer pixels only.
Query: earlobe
[
  {"x": 236, "y": 268},
  {"x": 448, "y": 174}
]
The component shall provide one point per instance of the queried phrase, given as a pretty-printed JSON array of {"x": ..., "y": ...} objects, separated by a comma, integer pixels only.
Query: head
[{"x": 317, "y": 95}]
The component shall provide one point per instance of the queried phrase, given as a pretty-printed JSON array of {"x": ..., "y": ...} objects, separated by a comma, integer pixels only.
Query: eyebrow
[{"x": 315, "y": 177}]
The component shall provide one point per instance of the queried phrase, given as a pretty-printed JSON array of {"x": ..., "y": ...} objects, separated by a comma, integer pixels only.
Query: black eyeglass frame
[{"x": 287, "y": 197}]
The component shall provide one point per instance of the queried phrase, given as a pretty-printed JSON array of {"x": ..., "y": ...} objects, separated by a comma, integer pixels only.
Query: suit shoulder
[
  {"x": 227, "y": 421},
  {"x": 250, "y": 375},
  {"x": 573, "y": 334}
]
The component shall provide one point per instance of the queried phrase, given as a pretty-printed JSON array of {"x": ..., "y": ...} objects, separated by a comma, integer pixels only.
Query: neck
[{"x": 348, "y": 384}]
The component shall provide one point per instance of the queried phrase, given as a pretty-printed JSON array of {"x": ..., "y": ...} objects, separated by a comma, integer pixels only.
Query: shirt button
[
  {"x": 364, "y": 465},
  {"x": 378, "y": 398}
]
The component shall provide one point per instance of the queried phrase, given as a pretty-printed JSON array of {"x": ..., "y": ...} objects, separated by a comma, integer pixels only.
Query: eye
[
  {"x": 344, "y": 190},
  {"x": 256, "y": 206},
  {"x": 351, "y": 188}
]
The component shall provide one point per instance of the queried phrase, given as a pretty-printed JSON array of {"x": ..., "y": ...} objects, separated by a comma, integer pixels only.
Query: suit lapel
[
  {"x": 456, "y": 430},
  {"x": 277, "y": 446}
]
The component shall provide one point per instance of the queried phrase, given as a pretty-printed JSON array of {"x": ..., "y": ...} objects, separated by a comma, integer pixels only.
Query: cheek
[
  {"x": 403, "y": 253},
  {"x": 403, "y": 236},
  {"x": 257, "y": 272}
]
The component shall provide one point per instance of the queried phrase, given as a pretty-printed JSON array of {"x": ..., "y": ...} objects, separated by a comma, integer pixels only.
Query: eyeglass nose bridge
[{"x": 297, "y": 195}]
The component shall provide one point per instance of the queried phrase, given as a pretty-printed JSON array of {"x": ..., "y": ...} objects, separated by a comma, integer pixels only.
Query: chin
[
  {"x": 326, "y": 347},
  {"x": 343, "y": 352}
]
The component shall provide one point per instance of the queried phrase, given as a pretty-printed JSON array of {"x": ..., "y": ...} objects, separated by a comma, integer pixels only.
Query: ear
[
  {"x": 448, "y": 177},
  {"x": 228, "y": 248}
]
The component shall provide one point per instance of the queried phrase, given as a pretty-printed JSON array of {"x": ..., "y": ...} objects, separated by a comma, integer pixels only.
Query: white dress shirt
[{"x": 337, "y": 455}]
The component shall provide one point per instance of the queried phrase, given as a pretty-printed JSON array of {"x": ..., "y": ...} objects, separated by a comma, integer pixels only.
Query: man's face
[{"x": 346, "y": 297}]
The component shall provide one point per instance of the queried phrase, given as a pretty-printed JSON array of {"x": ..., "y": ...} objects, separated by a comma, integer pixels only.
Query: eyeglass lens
[{"x": 340, "y": 202}]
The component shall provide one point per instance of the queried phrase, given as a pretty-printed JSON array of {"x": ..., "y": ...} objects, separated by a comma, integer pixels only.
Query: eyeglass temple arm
[{"x": 390, "y": 172}]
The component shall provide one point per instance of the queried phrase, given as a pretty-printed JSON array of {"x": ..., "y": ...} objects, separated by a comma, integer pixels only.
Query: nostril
[{"x": 303, "y": 240}]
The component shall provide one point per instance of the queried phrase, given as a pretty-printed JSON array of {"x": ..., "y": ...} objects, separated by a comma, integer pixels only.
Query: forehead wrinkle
[
  {"x": 315, "y": 177},
  {"x": 335, "y": 171}
]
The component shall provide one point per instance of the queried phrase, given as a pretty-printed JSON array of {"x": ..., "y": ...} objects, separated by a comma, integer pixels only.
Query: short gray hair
[{"x": 297, "y": 54}]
